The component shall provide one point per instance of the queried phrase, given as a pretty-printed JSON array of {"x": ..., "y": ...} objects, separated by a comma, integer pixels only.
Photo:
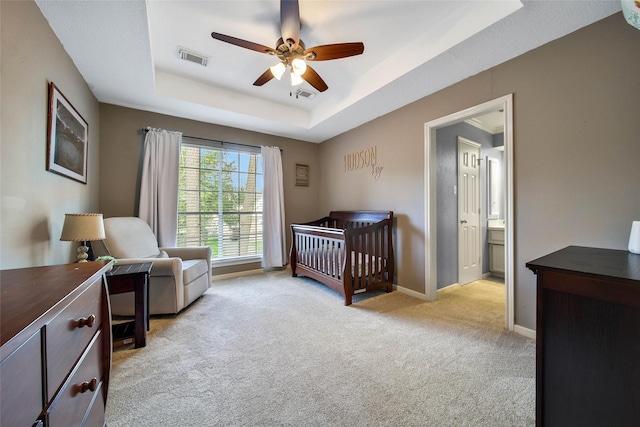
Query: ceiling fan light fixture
[
  {"x": 292, "y": 52},
  {"x": 278, "y": 70},
  {"x": 299, "y": 66},
  {"x": 296, "y": 79}
]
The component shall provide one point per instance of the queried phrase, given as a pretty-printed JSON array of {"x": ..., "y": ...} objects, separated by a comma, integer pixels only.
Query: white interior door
[{"x": 469, "y": 242}]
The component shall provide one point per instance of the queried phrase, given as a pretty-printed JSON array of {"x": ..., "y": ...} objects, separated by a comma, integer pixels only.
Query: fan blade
[
  {"x": 265, "y": 77},
  {"x": 314, "y": 79},
  {"x": 290, "y": 21},
  {"x": 333, "y": 51},
  {"x": 243, "y": 43}
]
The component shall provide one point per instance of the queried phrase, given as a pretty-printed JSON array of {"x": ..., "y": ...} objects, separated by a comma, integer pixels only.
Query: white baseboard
[
  {"x": 529, "y": 333},
  {"x": 451, "y": 287},
  {"x": 217, "y": 277},
  {"x": 410, "y": 292}
]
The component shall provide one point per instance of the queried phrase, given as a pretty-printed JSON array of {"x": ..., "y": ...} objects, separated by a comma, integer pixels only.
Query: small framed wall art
[
  {"x": 302, "y": 175},
  {"x": 67, "y": 138}
]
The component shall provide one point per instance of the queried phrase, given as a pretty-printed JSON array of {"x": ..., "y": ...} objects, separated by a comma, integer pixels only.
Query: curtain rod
[{"x": 145, "y": 130}]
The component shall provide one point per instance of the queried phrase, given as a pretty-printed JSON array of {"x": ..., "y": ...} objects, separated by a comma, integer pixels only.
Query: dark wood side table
[
  {"x": 132, "y": 278},
  {"x": 587, "y": 338}
]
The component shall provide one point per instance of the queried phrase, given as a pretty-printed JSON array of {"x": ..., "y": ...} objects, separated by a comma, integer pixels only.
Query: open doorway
[{"x": 502, "y": 201}]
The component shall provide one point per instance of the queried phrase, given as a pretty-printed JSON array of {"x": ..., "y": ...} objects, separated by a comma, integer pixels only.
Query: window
[{"x": 220, "y": 201}]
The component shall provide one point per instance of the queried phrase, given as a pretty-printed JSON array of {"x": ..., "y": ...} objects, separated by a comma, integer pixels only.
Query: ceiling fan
[{"x": 291, "y": 51}]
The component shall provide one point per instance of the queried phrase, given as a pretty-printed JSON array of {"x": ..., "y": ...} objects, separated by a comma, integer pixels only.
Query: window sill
[{"x": 236, "y": 261}]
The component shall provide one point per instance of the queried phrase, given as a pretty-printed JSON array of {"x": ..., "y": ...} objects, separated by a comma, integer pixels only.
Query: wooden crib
[{"x": 348, "y": 251}]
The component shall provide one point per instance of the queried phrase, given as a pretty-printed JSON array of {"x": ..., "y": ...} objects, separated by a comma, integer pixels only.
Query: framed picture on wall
[
  {"x": 67, "y": 138},
  {"x": 302, "y": 175}
]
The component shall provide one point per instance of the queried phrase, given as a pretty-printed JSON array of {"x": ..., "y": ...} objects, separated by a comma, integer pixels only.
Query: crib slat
[
  {"x": 375, "y": 256},
  {"x": 367, "y": 263}
]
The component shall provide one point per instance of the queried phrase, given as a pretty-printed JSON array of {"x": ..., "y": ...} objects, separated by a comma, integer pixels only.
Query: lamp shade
[
  {"x": 82, "y": 227},
  {"x": 296, "y": 79},
  {"x": 277, "y": 70},
  {"x": 631, "y": 12},
  {"x": 299, "y": 66}
]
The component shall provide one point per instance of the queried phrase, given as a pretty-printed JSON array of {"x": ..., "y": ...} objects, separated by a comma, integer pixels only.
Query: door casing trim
[{"x": 430, "y": 226}]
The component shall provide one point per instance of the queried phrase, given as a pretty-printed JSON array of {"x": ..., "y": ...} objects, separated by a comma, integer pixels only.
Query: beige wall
[
  {"x": 34, "y": 201},
  {"x": 121, "y": 154},
  {"x": 576, "y": 151}
]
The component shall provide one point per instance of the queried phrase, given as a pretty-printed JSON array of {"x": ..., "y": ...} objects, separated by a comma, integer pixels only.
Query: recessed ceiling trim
[
  {"x": 184, "y": 89},
  {"x": 110, "y": 42},
  {"x": 480, "y": 125}
]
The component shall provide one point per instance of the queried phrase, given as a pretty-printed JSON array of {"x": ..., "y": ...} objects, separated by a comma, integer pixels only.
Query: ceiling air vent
[
  {"x": 191, "y": 56},
  {"x": 304, "y": 94}
]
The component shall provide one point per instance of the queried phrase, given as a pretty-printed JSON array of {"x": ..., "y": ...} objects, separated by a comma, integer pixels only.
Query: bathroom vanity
[{"x": 495, "y": 231}]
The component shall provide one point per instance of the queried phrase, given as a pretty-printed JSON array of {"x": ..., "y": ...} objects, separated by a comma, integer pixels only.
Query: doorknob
[{"x": 464, "y": 221}]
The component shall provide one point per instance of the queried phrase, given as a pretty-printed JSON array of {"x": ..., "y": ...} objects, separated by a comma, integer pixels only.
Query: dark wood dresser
[
  {"x": 55, "y": 354},
  {"x": 588, "y": 338}
]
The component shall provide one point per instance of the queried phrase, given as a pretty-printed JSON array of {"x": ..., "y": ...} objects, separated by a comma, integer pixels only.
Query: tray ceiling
[{"x": 127, "y": 51}]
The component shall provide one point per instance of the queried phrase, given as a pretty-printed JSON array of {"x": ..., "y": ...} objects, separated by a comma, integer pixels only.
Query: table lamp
[{"x": 82, "y": 227}]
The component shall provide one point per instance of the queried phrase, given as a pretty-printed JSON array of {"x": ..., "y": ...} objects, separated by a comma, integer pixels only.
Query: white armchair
[{"x": 179, "y": 276}]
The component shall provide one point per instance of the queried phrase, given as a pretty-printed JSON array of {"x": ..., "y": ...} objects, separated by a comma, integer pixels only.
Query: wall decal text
[{"x": 367, "y": 157}]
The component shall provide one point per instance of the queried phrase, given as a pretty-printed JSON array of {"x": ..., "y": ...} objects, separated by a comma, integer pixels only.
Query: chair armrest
[{"x": 192, "y": 252}]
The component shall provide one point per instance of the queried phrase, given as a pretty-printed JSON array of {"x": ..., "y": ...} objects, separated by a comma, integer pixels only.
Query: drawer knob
[
  {"x": 86, "y": 321},
  {"x": 89, "y": 385}
]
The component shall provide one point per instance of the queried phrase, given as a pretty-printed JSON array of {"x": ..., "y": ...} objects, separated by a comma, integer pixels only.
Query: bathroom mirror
[{"x": 494, "y": 188}]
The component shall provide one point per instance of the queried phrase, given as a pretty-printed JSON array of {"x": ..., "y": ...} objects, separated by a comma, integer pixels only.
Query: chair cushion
[
  {"x": 130, "y": 237},
  {"x": 192, "y": 269}
]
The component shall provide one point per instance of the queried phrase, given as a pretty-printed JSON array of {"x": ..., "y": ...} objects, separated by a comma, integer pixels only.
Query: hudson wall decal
[{"x": 365, "y": 158}]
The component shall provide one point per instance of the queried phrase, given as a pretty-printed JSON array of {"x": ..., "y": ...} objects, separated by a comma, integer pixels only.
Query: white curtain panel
[
  {"x": 159, "y": 186},
  {"x": 274, "y": 251}
]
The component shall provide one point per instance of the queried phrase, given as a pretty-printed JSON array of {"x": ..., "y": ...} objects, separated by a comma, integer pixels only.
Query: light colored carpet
[{"x": 271, "y": 350}]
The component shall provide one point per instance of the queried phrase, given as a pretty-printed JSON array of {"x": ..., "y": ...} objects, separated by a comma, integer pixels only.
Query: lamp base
[{"x": 83, "y": 253}]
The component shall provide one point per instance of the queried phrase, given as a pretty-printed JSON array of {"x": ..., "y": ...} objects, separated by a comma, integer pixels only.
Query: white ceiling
[
  {"x": 127, "y": 51},
  {"x": 492, "y": 122}
]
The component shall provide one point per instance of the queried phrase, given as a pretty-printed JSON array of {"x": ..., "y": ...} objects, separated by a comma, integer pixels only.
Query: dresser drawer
[
  {"x": 73, "y": 403},
  {"x": 69, "y": 333},
  {"x": 95, "y": 414},
  {"x": 21, "y": 386}
]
